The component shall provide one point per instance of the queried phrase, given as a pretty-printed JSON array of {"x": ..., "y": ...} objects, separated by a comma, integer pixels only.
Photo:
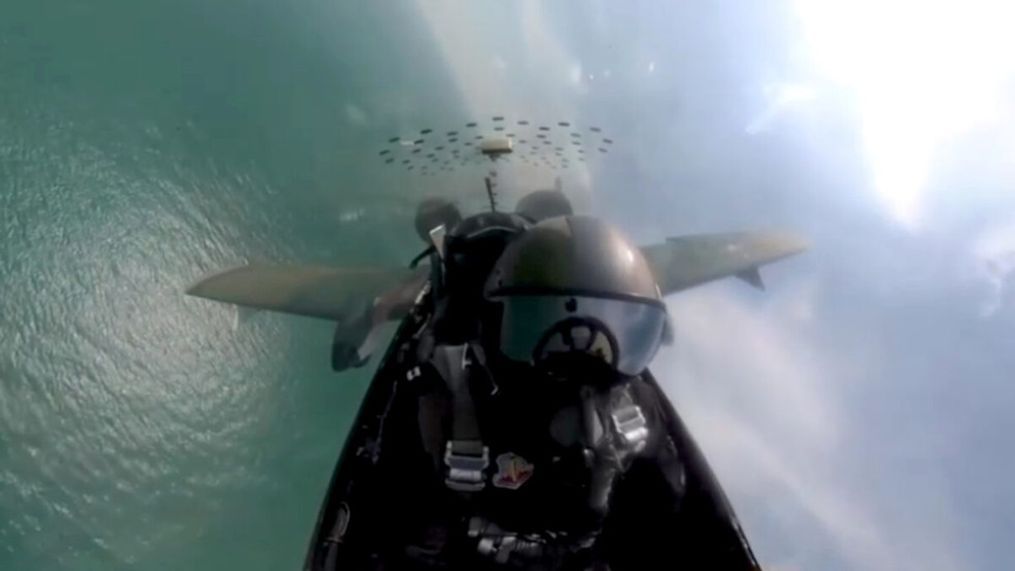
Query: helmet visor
[{"x": 624, "y": 333}]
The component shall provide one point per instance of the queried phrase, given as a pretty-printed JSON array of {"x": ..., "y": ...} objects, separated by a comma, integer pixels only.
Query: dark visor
[{"x": 625, "y": 333}]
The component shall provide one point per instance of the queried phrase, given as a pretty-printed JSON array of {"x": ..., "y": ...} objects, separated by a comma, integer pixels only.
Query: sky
[{"x": 856, "y": 411}]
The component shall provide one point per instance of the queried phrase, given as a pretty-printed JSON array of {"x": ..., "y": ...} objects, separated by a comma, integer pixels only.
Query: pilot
[{"x": 537, "y": 441}]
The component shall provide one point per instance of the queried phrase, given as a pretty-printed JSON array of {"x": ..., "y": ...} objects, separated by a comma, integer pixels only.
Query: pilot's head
[
  {"x": 574, "y": 291},
  {"x": 543, "y": 204},
  {"x": 433, "y": 212}
]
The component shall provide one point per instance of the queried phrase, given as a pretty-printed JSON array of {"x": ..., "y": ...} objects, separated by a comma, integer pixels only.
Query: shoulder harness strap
[{"x": 465, "y": 456}]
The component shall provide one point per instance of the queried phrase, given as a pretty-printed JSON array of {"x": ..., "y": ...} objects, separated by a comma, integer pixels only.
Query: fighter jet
[{"x": 515, "y": 328}]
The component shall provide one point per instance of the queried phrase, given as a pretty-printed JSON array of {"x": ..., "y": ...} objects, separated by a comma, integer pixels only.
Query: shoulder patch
[{"x": 512, "y": 471}]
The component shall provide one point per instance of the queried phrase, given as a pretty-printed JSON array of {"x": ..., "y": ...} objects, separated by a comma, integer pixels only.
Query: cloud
[
  {"x": 760, "y": 390},
  {"x": 994, "y": 254},
  {"x": 781, "y": 98}
]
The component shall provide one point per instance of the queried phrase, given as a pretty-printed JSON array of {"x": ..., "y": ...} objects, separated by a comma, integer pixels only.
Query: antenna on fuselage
[
  {"x": 490, "y": 192},
  {"x": 494, "y": 148}
]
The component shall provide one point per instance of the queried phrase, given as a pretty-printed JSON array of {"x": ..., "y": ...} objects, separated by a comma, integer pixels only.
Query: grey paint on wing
[
  {"x": 313, "y": 291},
  {"x": 687, "y": 261}
]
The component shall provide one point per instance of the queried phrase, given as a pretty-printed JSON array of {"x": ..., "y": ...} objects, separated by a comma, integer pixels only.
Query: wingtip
[
  {"x": 788, "y": 240},
  {"x": 199, "y": 288},
  {"x": 797, "y": 244},
  {"x": 193, "y": 288},
  {"x": 783, "y": 244}
]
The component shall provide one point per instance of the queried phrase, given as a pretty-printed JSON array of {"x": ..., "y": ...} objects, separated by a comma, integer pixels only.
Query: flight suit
[{"x": 536, "y": 488}]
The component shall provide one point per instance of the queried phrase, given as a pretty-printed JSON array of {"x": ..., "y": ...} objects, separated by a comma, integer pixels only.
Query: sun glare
[{"x": 920, "y": 72}]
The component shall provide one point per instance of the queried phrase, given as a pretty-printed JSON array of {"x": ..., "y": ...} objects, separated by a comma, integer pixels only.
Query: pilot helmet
[
  {"x": 574, "y": 286},
  {"x": 542, "y": 204},
  {"x": 433, "y": 212}
]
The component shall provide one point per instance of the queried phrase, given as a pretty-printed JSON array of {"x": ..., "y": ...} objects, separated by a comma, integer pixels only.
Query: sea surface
[{"x": 856, "y": 411}]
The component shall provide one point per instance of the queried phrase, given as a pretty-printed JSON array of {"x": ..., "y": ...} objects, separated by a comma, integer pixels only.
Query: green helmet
[{"x": 574, "y": 284}]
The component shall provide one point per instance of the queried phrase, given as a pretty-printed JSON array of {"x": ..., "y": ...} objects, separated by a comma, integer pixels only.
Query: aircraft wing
[
  {"x": 686, "y": 261},
  {"x": 338, "y": 294}
]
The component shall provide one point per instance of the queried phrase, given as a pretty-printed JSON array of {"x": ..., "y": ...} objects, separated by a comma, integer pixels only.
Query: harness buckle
[
  {"x": 466, "y": 461},
  {"x": 631, "y": 425}
]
